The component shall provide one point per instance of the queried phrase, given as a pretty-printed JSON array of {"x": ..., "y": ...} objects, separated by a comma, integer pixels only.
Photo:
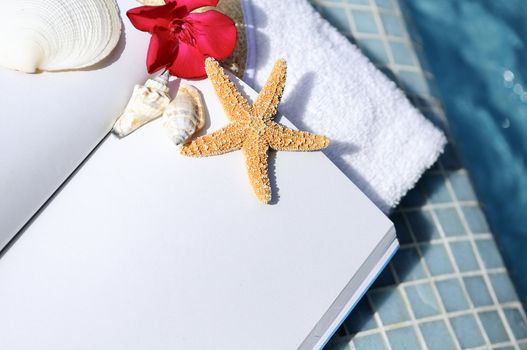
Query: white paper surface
[
  {"x": 147, "y": 249},
  {"x": 51, "y": 121}
]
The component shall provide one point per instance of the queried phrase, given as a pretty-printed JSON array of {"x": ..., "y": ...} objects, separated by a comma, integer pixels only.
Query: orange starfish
[{"x": 252, "y": 128}]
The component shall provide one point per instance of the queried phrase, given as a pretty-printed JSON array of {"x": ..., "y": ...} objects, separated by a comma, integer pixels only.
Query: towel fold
[{"x": 379, "y": 140}]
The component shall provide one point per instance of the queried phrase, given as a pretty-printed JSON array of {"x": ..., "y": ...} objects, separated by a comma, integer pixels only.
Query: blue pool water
[{"x": 477, "y": 50}]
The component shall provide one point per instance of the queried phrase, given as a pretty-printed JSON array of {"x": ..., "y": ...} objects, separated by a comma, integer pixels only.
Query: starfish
[{"x": 252, "y": 128}]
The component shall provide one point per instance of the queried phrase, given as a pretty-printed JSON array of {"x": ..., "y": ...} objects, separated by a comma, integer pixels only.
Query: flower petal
[
  {"x": 145, "y": 18},
  {"x": 191, "y": 5},
  {"x": 161, "y": 51},
  {"x": 214, "y": 32},
  {"x": 189, "y": 63}
]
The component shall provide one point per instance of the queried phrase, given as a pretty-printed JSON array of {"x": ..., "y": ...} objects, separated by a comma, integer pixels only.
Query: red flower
[{"x": 182, "y": 40}]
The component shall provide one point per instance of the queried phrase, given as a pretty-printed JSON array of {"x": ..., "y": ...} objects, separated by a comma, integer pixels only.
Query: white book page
[
  {"x": 50, "y": 122},
  {"x": 147, "y": 249}
]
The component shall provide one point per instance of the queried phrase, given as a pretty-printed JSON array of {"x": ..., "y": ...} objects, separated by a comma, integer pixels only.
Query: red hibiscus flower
[{"x": 182, "y": 40}]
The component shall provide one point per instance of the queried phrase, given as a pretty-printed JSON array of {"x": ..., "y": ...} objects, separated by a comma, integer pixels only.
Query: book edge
[{"x": 352, "y": 293}]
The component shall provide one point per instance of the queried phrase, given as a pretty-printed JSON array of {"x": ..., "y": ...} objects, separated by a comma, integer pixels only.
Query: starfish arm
[
  {"x": 266, "y": 105},
  {"x": 225, "y": 140},
  {"x": 283, "y": 139},
  {"x": 235, "y": 105},
  {"x": 255, "y": 151}
]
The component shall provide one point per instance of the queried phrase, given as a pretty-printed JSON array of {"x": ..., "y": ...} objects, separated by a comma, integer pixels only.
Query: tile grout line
[
  {"x": 451, "y": 239},
  {"x": 475, "y": 273},
  {"x": 380, "y": 325},
  {"x": 430, "y": 206}
]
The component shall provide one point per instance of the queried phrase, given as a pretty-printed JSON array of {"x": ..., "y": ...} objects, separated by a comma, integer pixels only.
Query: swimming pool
[{"x": 477, "y": 50}]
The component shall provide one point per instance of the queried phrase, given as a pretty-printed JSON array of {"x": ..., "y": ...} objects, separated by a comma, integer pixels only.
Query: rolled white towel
[{"x": 379, "y": 140}]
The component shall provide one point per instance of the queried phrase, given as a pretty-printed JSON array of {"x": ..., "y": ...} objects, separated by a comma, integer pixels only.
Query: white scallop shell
[
  {"x": 52, "y": 35},
  {"x": 185, "y": 115},
  {"x": 148, "y": 102}
]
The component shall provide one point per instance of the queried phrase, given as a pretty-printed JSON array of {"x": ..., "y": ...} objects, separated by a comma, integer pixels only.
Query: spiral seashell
[
  {"x": 148, "y": 102},
  {"x": 54, "y": 35},
  {"x": 185, "y": 115}
]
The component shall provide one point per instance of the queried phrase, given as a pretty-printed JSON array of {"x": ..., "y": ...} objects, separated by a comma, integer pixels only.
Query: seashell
[
  {"x": 185, "y": 115},
  {"x": 54, "y": 35},
  {"x": 146, "y": 104}
]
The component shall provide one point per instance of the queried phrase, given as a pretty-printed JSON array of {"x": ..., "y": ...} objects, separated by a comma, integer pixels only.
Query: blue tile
[
  {"x": 361, "y": 318},
  {"x": 503, "y": 287},
  {"x": 364, "y": 21},
  {"x": 450, "y": 222},
  {"x": 374, "y": 49},
  {"x": 401, "y": 228},
  {"x": 341, "y": 331},
  {"x": 414, "y": 198},
  {"x": 517, "y": 323},
  {"x": 464, "y": 255},
  {"x": 436, "y": 336},
  {"x": 403, "y": 338},
  {"x": 467, "y": 331},
  {"x": 450, "y": 159},
  {"x": 369, "y": 342},
  {"x": 452, "y": 295},
  {"x": 436, "y": 189},
  {"x": 407, "y": 264},
  {"x": 437, "y": 259},
  {"x": 422, "y": 300},
  {"x": 493, "y": 326},
  {"x": 422, "y": 226},
  {"x": 438, "y": 122},
  {"x": 413, "y": 82},
  {"x": 336, "y": 343},
  {"x": 387, "y": 4},
  {"x": 402, "y": 54},
  {"x": 489, "y": 253},
  {"x": 392, "y": 25},
  {"x": 477, "y": 291},
  {"x": 385, "y": 279},
  {"x": 475, "y": 219},
  {"x": 337, "y": 17},
  {"x": 462, "y": 186},
  {"x": 390, "y": 305}
]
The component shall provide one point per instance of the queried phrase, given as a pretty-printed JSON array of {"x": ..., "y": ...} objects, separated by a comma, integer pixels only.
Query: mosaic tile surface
[{"x": 447, "y": 287}]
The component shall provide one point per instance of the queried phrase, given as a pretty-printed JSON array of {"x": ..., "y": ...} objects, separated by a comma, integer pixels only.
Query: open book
[{"x": 142, "y": 248}]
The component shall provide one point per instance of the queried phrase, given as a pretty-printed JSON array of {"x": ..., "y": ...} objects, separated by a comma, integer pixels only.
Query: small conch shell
[
  {"x": 185, "y": 115},
  {"x": 147, "y": 103}
]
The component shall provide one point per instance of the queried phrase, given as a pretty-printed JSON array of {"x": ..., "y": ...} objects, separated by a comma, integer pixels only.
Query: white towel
[{"x": 379, "y": 140}]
